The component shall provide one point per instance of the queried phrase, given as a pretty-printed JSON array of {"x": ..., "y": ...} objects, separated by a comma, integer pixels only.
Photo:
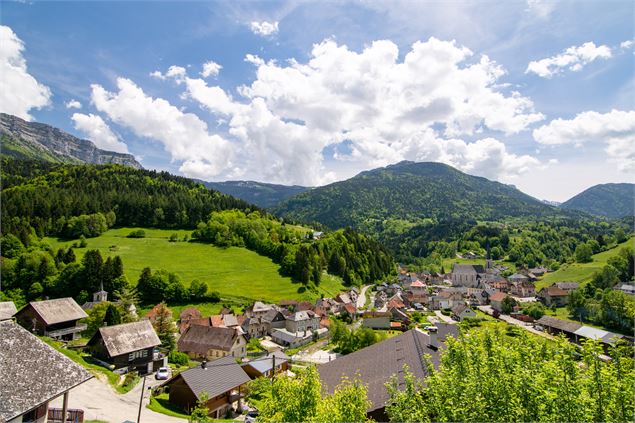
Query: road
[
  {"x": 361, "y": 299},
  {"x": 100, "y": 402},
  {"x": 444, "y": 318},
  {"x": 505, "y": 318}
]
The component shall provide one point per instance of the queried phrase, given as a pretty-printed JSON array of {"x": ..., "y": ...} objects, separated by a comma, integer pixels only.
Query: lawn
[
  {"x": 161, "y": 404},
  {"x": 581, "y": 272},
  {"x": 233, "y": 272}
]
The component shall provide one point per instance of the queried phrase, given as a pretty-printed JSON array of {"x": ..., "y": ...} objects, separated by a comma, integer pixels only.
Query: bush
[
  {"x": 138, "y": 233},
  {"x": 173, "y": 237},
  {"x": 214, "y": 297},
  {"x": 178, "y": 358}
]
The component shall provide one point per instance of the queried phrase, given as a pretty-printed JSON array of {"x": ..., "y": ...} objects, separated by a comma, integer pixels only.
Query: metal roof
[
  {"x": 32, "y": 371},
  {"x": 58, "y": 310},
  {"x": 127, "y": 337},
  {"x": 563, "y": 325},
  {"x": 217, "y": 377},
  {"x": 590, "y": 332},
  {"x": 264, "y": 364}
]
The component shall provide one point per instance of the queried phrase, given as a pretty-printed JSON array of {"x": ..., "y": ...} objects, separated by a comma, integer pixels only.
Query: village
[{"x": 419, "y": 310}]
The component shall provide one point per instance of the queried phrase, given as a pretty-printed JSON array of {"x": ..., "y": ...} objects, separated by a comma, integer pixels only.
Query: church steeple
[
  {"x": 101, "y": 295},
  {"x": 488, "y": 259}
]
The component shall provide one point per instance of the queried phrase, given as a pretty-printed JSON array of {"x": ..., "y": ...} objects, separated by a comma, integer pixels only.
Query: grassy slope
[
  {"x": 233, "y": 272},
  {"x": 581, "y": 272}
]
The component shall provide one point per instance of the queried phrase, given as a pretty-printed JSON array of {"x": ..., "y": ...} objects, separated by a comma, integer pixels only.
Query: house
[
  {"x": 419, "y": 292},
  {"x": 128, "y": 345},
  {"x": 302, "y": 321},
  {"x": 468, "y": 275},
  {"x": 299, "y": 329},
  {"x": 518, "y": 278},
  {"x": 496, "y": 301},
  {"x": 396, "y": 301},
  {"x": 221, "y": 380},
  {"x": 376, "y": 364},
  {"x": 349, "y": 311},
  {"x": 523, "y": 289},
  {"x": 343, "y": 298},
  {"x": 263, "y": 366},
  {"x": 380, "y": 299},
  {"x": 557, "y": 326},
  {"x": 274, "y": 319},
  {"x": 553, "y": 295},
  {"x": 211, "y": 343},
  {"x": 152, "y": 314},
  {"x": 446, "y": 299},
  {"x": 626, "y": 288},
  {"x": 398, "y": 315},
  {"x": 58, "y": 319},
  {"x": 462, "y": 311},
  {"x": 259, "y": 309},
  {"x": 567, "y": 286},
  {"x": 7, "y": 310},
  {"x": 33, "y": 374},
  {"x": 186, "y": 317},
  {"x": 377, "y": 319},
  {"x": 538, "y": 271}
]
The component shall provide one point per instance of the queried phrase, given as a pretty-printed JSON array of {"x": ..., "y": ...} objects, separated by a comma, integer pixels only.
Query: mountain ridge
[
  {"x": 613, "y": 200},
  {"x": 262, "y": 194}
]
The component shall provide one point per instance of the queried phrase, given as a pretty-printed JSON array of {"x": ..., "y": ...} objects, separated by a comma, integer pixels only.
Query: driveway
[
  {"x": 100, "y": 402},
  {"x": 361, "y": 299},
  {"x": 444, "y": 318}
]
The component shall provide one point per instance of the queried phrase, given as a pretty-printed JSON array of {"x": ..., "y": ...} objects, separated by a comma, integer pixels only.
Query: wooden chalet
[
  {"x": 128, "y": 345},
  {"x": 58, "y": 319}
]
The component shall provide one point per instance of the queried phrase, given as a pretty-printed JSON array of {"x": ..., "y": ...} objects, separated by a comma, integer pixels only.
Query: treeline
[
  {"x": 44, "y": 199},
  {"x": 164, "y": 286},
  {"x": 346, "y": 253},
  {"x": 600, "y": 303}
]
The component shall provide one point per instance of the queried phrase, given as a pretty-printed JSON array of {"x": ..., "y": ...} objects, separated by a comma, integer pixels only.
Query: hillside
[
  {"x": 37, "y": 141},
  {"x": 258, "y": 193},
  {"x": 610, "y": 200}
]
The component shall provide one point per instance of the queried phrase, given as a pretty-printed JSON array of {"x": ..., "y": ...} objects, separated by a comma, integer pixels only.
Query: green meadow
[{"x": 237, "y": 274}]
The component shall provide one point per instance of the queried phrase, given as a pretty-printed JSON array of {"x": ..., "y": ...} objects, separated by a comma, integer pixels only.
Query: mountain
[
  {"x": 610, "y": 200},
  {"x": 37, "y": 141},
  {"x": 258, "y": 193},
  {"x": 411, "y": 192}
]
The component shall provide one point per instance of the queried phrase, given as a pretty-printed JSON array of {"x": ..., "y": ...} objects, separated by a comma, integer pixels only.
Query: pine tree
[{"x": 164, "y": 327}]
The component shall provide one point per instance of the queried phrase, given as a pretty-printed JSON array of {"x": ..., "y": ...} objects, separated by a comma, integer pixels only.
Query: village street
[
  {"x": 100, "y": 402},
  {"x": 444, "y": 318},
  {"x": 361, "y": 299}
]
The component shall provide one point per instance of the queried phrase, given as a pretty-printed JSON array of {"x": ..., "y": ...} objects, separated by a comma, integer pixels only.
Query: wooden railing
[{"x": 72, "y": 415}]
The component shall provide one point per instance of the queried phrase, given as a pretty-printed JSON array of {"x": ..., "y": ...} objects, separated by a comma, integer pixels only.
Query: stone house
[{"x": 211, "y": 343}]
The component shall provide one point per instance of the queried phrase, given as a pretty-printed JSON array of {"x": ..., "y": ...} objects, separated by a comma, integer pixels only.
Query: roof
[
  {"x": 554, "y": 291},
  {"x": 58, "y": 310},
  {"x": 190, "y": 313},
  {"x": 7, "y": 310},
  {"x": 417, "y": 284},
  {"x": 127, "y": 337},
  {"x": 376, "y": 364},
  {"x": 518, "y": 276},
  {"x": 350, "y": 308},
  {"x": 153, "y": 312},
  {"x": 265, "y": 364},
  {"x": 218, "y": 376},
  {"x": 200, "y": 339},
  {"x": 468, "y": 268},
  {"x": 460, "y": 309},
  {"x": 559, "y": 324},
  {"x": 497, "y": 296},
  {"x": 590, "y": 332},
  {"x": 259, "y": 306},
  {"x": 32, "y": 372},
  {"x": 301, "y": 315}
]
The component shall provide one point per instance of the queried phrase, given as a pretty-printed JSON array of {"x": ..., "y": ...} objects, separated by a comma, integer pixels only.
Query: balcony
[{"x": 66, "y": 331}]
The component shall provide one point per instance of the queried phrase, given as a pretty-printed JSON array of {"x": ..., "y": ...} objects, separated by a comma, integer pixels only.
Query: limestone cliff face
[{"x": 38, "y": 141}]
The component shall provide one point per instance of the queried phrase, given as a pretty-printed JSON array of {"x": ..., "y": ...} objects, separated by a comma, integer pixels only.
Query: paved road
[
  {"x": 444, "y": 318},
  {"x": 361, "y": 299},
  {"x": 100, "y": 402}
]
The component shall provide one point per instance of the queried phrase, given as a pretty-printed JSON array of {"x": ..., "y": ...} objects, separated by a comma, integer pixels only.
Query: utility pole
[
  {"x": 143, "y": 388},
  {"x": 273, "y": 367}
]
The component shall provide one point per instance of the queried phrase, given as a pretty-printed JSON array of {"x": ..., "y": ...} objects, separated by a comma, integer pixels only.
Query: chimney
[
  {"x": 204, "y": 364},
  {"x": 433, "y": 336}
]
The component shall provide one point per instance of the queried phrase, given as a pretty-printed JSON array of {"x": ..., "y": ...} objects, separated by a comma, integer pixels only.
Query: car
[
  {"x": 162, "y": 374},
  {"x": 251, "y": 416}
]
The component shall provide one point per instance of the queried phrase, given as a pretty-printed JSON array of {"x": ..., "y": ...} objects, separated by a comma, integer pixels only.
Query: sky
[{"x": 537, "y": 94}]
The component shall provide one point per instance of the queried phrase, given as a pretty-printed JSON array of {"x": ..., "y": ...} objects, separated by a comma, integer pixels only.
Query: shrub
[
  {"x": 137, "y": 233},
  {"x": 173, "y": 237},
  {"x": 178, "y": 358}
]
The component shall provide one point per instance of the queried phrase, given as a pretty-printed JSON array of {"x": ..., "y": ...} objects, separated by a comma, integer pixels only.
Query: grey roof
[
  {"x": 7, "y": 310},
  {"x": 264, "y": 364},
  {"x": 301, "y": 315},
  {"x": 377, "y": 363},
  {"x": 127, "y": 337},
  {"x": 468, "y": 268},
  {"x": 285, "y": 335},
  {"x": 559, "y": 324},
  {"x": 591, "y": 332},
  {"x": 260, "y": 306},
  {"x": 518, "y": 276},
  {"x": 32, "y": 372},
  {"x": 58, "y": 310},
  {"x": 217, "y": 377},
  {"x": 200, "y": 339}
]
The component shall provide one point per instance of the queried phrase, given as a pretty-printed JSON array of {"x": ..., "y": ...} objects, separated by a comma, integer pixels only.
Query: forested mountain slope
[
  {"x": 610, "y": 200},
  {"x": 258, "y": 193}
]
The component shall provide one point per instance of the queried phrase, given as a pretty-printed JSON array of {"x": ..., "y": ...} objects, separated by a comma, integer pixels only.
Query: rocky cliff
[{"x": 38, "y": 141}]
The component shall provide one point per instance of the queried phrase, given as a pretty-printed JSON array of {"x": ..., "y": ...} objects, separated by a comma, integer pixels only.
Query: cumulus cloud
[
  {"x": 184, "y": 136},
  {"x": 625, "y": 45},
  {"x": 19, "y": 91},
  {"x": 73, "y": 104},
  {"x": 615, "y": 129},
  {"x": 383, "y": 109},
  {"x": 96, "y": 130},
  {"x": 176, "y": 72},
  {"x": 573, "y": 58},
  {"x": 210, "y": 68},
  {"x": 264, "y": 28}
]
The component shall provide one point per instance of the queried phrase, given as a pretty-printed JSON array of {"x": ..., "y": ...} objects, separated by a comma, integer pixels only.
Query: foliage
[
  {"x": 89, "y": 226},
  {"x": 535, "y": 310},
  {"x": 507, "y": 305},
  {"x": 11, "y": 246},
  {"x": 178, "y": 358},
  {"x": 112, "y": 316},
  {"x": 583, "y": 253},
  {"x": 137, "y": 233},
  {"x": 253, "y": 345},
  {"x": 492, "y": 377},
  {"x": 200, "y": 412},
  {"x": 350, "y": 340},
  {"x": 299, "y": 399},
  {"x": 164, "y": 327},
  {"x": 95, "y": 319},
  {"x": 610, "y": 200}
]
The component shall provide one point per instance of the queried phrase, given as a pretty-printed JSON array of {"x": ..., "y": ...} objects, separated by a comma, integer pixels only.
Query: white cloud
[
  {"x": 625, "y": 45},
  {"x": 264, "y": 28},
  {"x": 176, "y": 72},
  {"x": 541, "y": 8},
  {"x": 210, "y": 68},
  {"x": 73, "y": 104},
  {"x": 184, "y": 136},
  {"x": 96, "y": 130},
  {"x": 616, "y": 129},
  {"x": 573, "y": 58},
  {"x": 19, "y": 91}
]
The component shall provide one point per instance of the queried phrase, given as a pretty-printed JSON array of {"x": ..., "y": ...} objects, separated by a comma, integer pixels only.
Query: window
[{"x": 137, "y": 354}]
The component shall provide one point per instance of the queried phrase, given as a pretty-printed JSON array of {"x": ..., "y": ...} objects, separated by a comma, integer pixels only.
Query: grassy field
[
  {"x": 581, "y": 272},
  {"x": 233, "y": 272},
  {"x": 448, "y": 263}
]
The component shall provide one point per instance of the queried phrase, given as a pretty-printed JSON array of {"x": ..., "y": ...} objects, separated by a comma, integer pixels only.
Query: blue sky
[{"x": 532, "y": 93}]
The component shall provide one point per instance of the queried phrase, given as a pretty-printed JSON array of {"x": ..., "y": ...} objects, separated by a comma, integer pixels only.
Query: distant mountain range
[
  {"x": 609, "y": 200},
  {"x": 258, "y": 193},
  {"x": 37, "y": 141}
]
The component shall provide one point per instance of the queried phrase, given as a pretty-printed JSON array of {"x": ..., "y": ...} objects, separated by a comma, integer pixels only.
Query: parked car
[
  {"x": 162, "y": 374},
  {"x": 251, "y": 416}
]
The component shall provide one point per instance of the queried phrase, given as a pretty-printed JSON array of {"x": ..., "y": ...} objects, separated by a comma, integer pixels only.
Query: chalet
[
  {"x": 211, "y": 343},
  {"x": 127, "y": 345},
  {"x": 7, "y": 310},
  {"x": 377, "y": 319},
  {"x": 462, "y": 311},
  {"x": 496, "y": 301},
  {"x": 468, "y": 275},
  {"x": 58, "y": 319},
  {"x": 221, "y": 380},
  {"x": 33, "y": 374},
  {"x": 376, "y": 364},
  {"x": 553, "y": 295},
  {"x": 567, "y": 286},
  {"x": 263, "y": 366}
]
